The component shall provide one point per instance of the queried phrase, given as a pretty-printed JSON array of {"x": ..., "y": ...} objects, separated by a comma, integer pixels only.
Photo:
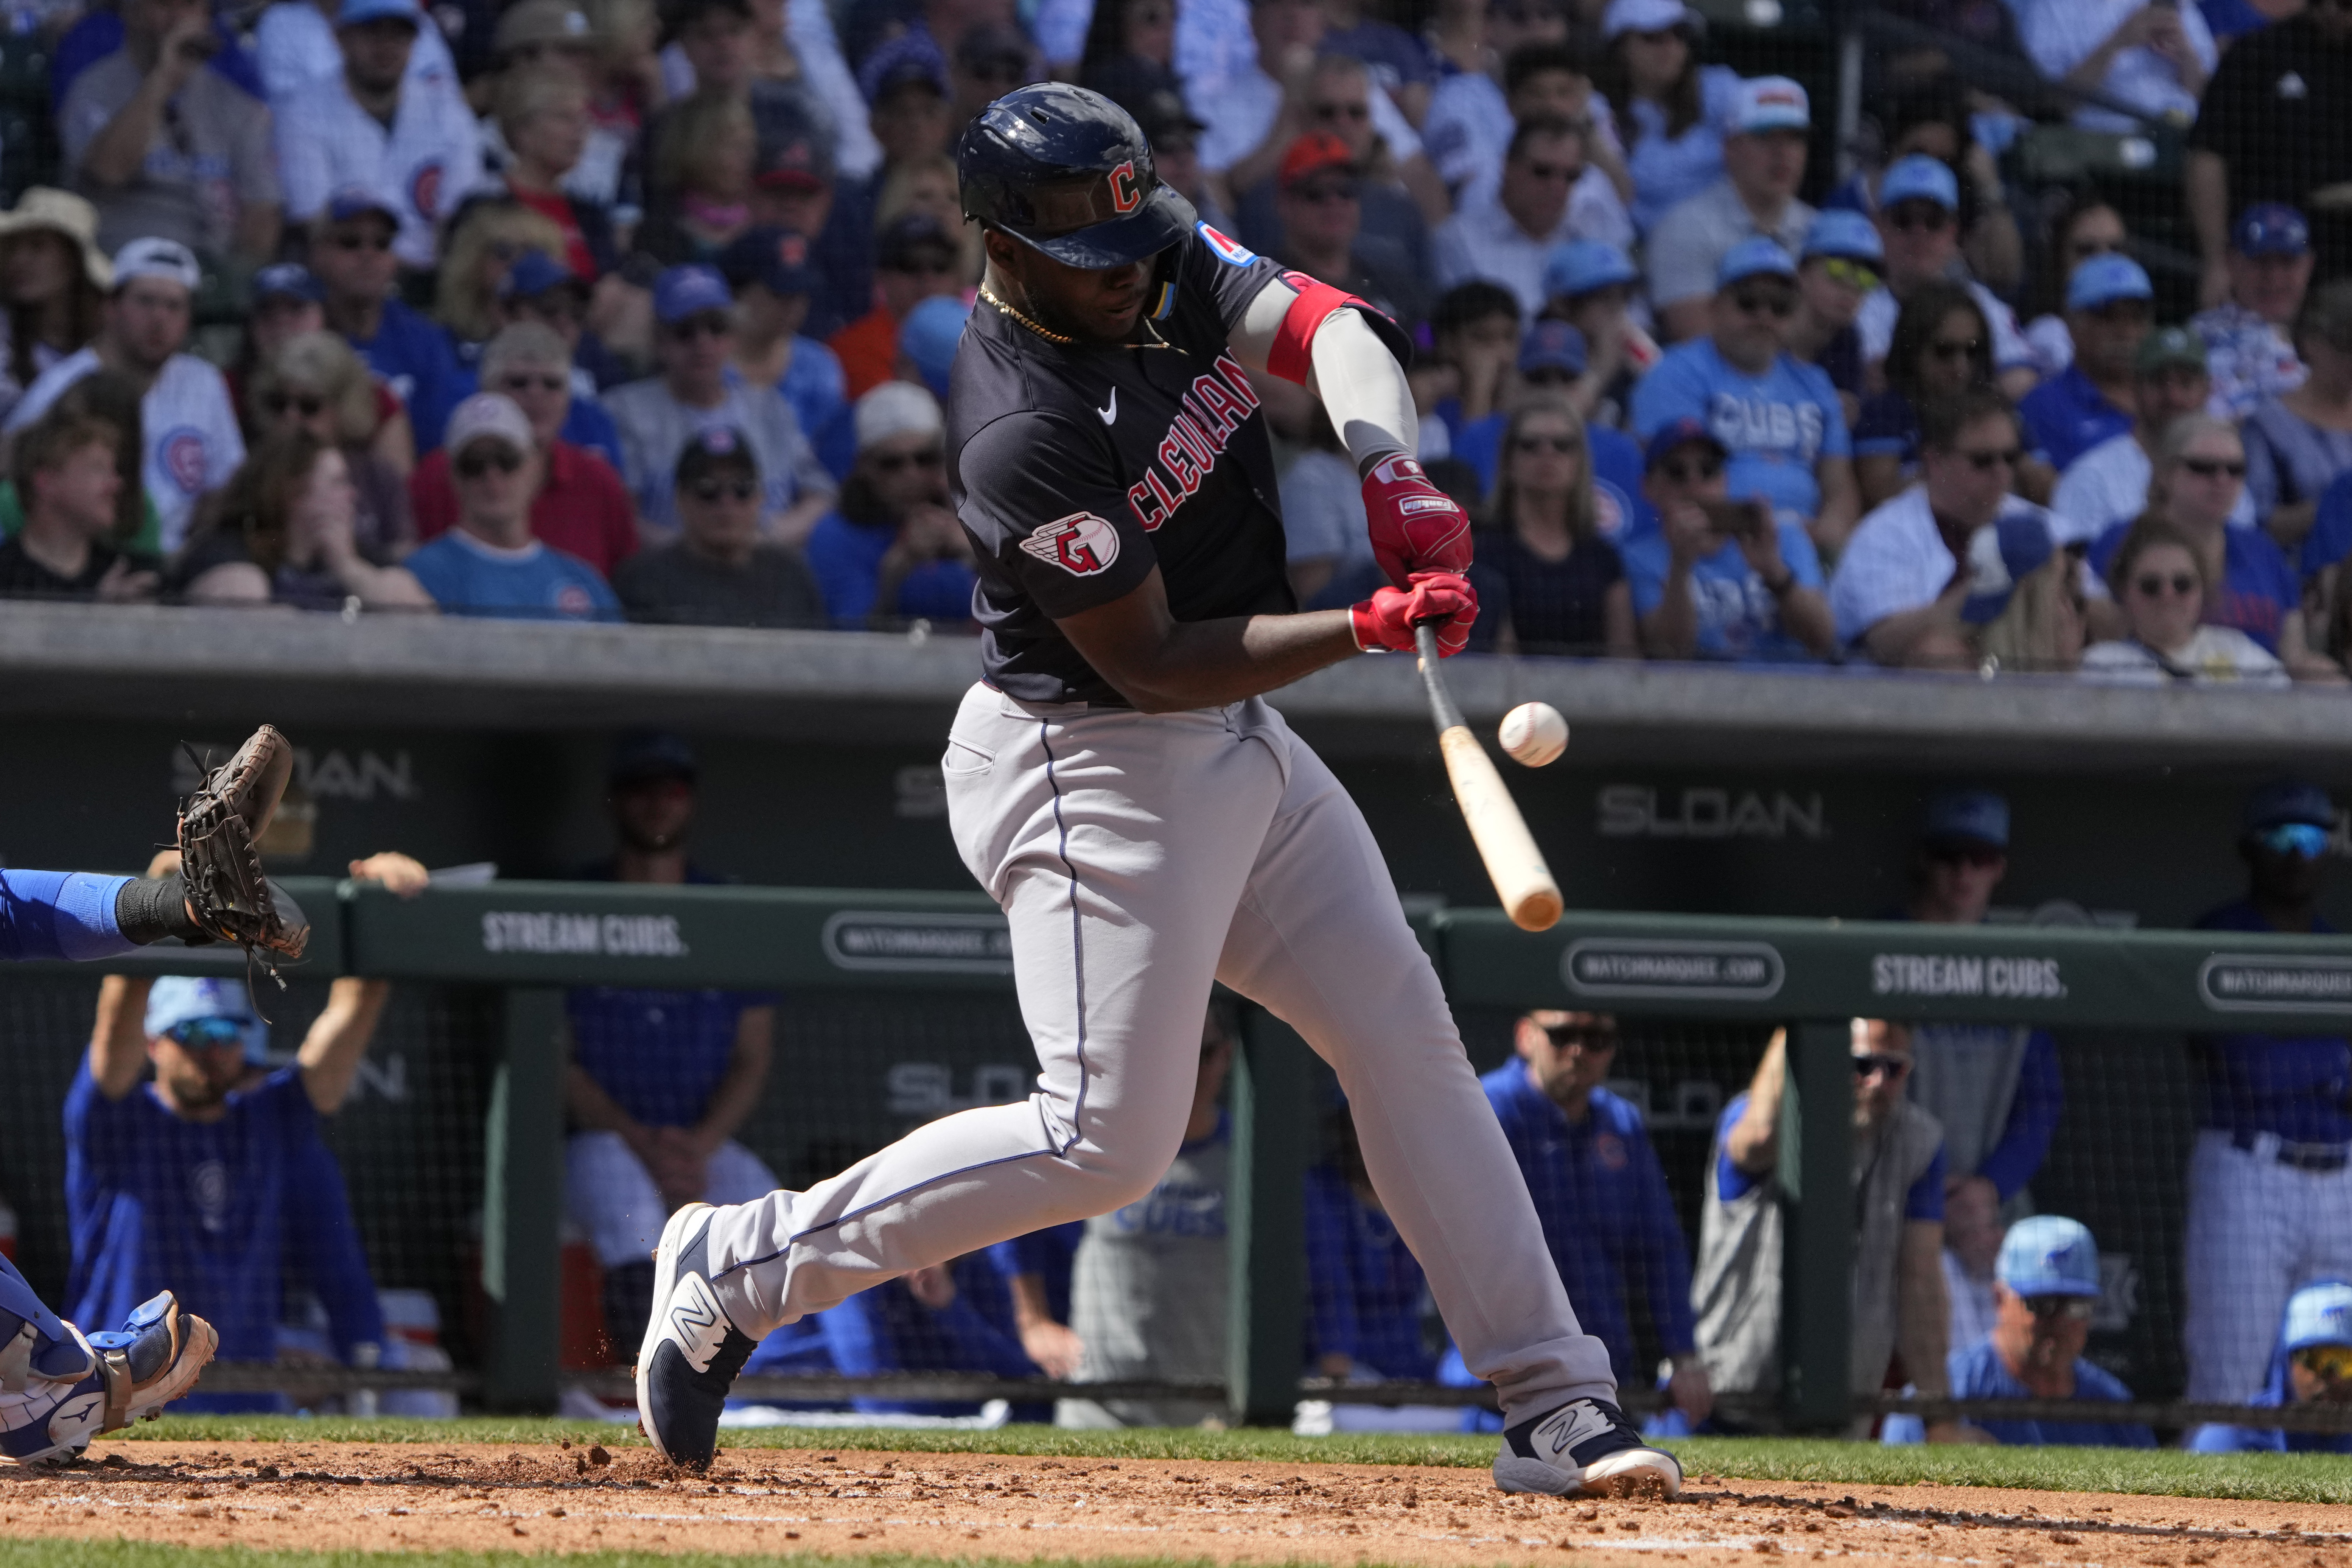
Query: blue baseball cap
[
  {"x": 2271, "y": 228},
  {"x": 2105, "y": 278},
  {"x": 909, "y": 57},
  {"x": 1767, "y": 103},
  {"x": 928, "y": 336},
  {"x": 1967, "y": 816},
  {"x": 1672, "y": 437},
  {"x": 683, "y": 291},
  {"x": 179, "y": 999},
  {"x": 348, "y": 202},
  {"x": 2049, "y": 1255},
  {"x": 287, "y": 280},
  {"x": 1919, "y": 178},
  {"x": 2284, "y": 801},
  {"x": 1582, "y": 265},
  {"x": 640, "y": 756},
  {"x": 1754, "y": 257},
  {"x": 1552, "y": 346},
  {"x": 1845, "y": 233},
  {"x": 2001, "y": 554},
  {"x": 353, "y": 13},
  {"x": 777, "y": 259},
  {"x": 2318, "y": 1315},
  {"x": 533, "y": 273}
]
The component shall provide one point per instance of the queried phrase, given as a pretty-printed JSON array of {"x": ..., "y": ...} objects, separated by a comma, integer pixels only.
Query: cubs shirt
[
  {"x": 1739, "y": 618},
  {"x": 428, "y": 159},
  {"x": 1076, "y": 469},
  {"x": 192, "y": 444},
  {"x": 468, "y": 576},
  {"x": 1774, "y": 426}
]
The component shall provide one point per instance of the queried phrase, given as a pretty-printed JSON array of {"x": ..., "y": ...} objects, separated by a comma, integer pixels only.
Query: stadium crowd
[{"x": 595, "y": 310}]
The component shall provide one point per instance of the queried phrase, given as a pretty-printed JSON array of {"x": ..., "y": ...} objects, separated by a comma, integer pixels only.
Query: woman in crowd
[
  {"x": 1123, "y": 32},
  {"x": 1669, "y": 108},
  {"x": 53, "y": 280},
  {"x": 486, "y": 238},
  {"x": 2160, "y": 582},
  {"x": 282, "y": 531},
  {"x": 1547, "y": 580},
  {"x": 700, "y": 193},
  {"x": 2200, "y": 470},
  {"x": 315, "y": 383},
  {"x": 543, "y": 116},
  {"x": 2297, "y": 442},
  {"x": 891, "y": 550},
  {"x": 929, "y": 186},
  {"x": 1942, "y": 345},
  {"x": 2089, "y": 226}
]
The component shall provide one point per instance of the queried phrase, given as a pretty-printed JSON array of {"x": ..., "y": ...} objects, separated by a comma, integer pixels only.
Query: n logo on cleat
[
  {"x": 1572, "y": 1425},
  {"x": 696, "y": 1321}
]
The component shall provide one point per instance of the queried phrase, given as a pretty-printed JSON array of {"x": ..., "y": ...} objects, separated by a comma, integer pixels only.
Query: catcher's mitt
[{"x": 219, "y": 825}]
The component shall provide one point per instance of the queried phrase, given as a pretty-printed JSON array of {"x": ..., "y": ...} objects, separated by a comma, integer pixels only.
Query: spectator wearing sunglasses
[
  {"x": 1552, "y": 582},
  {"x": 201, "y": 1176},
  {"x": 2158, "y": 579},
  {"x": 540, "y": 289},
  {"x": 352, "y": 257},
  {"x": 1717, "y": 578},
  {"x": 2270, "y": 1176},
  {"x": 1669, "y": 109},
  {"x": 313, "y": 383},
  {"x": 2090, "y": 226},
  {"x": 2108, "y": 484},
  {"x": 2199, "y": 476},
  {"x": 1531, "y": 69},
  {"x": 2046, "y": 1285},
  {"x": 1552, "y": 361},
  {"x": 2110, "y": 307},
  {"x": 1506, "y": 234},
  {"x": 719, "y": 572},
  {"x": 2312, "y": 1365},
  {"x": 1780, "y": 418},
  {"x": 580, "y": 506},
  {"x": 489, "y": 563},
  {"x": 698, "y": 388},
  {"x": 1320, "y": 203},
  {"x": 2246, "y": 336},
  {"x": 1898, "y": 1207},
  {"x": 1918, "y": 221},
  {"x": 914, "y": 258},
  {"x": 1942, "y": 346},
  {"x": 892, "y": 551},
  {"x": 1763, "y": 163},
  {"x": 1590, "y": 284},
  {"x": 1837, "y": 266},
  {"x": 288, "y": 301}
]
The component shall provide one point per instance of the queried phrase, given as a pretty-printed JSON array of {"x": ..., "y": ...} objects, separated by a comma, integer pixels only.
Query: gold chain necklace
[{"x": 1049, "y": 337}]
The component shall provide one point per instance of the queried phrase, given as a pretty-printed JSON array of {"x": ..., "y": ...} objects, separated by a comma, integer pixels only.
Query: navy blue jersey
[
  {"x": 2297, "y": 1086},
  {"x": 1607, "y": 1216}
]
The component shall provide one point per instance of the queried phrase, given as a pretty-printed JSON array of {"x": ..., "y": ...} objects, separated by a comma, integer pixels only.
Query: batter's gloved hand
[
  {"x": 1386, "y": 619},
  {"x": 1415, "y": 526}
]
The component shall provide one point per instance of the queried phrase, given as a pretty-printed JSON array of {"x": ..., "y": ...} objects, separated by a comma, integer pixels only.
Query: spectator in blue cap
[
  {"x": 1717, "y": 578},
  {"x": 1838, "y": 267},
  {"x": 2247, "y": 345},
  {"x": 1764, "y": 137},
  {"x": 776, "y": 279},
  {"x": 2047, "y": 1287},
  {"x": 1591, "y": 285},
  {"x": 1779, "y": 419},
  {"x": 2312, "y": 1365},
  {"x": 1552, "y": 361},
  {"x": 696, "y": 389},
  {"x": 2024, "y": 609},
  {"x": 538, "y": 288},
  {"x": 2110, "y": 306},
  {"x": 2270, "y": 1176},
  {"x": 351, "y": 255},
  {"x": 893, "y": 552},
  {"x": 1918, "y": 222}
]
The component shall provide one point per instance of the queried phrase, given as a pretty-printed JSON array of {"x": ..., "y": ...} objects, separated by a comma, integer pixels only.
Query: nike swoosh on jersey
[{"x": 1109, "y": 411}]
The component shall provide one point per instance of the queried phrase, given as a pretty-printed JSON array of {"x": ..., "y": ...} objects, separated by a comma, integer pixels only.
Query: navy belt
[{"x": 2298, "y": 1156}]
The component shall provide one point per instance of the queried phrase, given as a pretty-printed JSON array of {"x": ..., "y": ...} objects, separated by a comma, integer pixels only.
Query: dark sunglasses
[
  {"x": 711, "y": 324},
  {"x": 208, "y": 1033},
  {"x": 2074, "y": 1309},
  {"x": 2152, "y": 585},
  {"x": 1566, "y": 173},
  {"x": 1923, "y": 219},
  {"x": 1870, "y": 1067},
  {"x": 1986, "y": 462},
  {"x": 1754, "y": 303},
  {"x": 1585, "y": 1036},
  {"x": 1318, "y": 192},
  {"x": 310, "y": 405},
  {"x": 1980, "y": 856},
  {"x": 526, "y": 382},
  {"x": 1955, "y": 348},
  {"x": 477, "y": 463},
  {"x": 712, "y": 490},
  {"x": 1545, "y": 444},
  {"x": 899, "y": 462},
  {"x": 2208, "y": 468},
  {"x": 1343, "y": 112},
  {"x": 1692, "y": 472},
  {"x": 362, "y": 242}
]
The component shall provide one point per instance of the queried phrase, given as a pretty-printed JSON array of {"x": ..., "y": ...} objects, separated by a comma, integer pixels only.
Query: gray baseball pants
[{"x": 1140, "y": 858}]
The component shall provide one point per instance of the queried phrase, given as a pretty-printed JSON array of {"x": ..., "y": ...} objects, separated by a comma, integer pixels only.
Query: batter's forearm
[{"x": 1363, "y": 390}]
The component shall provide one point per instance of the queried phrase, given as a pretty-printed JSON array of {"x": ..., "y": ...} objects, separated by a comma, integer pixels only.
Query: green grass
[
  {"x": 64, "y": 1553},
  {"x": 2278, "y": 1477}
]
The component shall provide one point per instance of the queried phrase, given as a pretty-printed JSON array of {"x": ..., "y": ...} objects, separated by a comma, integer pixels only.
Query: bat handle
[{"x": 1442, "y": 711}]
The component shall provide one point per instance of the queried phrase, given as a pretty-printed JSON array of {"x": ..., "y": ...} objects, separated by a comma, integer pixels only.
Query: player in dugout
[
  {"x": 2313, "y": 1364},
  {"x": 1150, "y": 823}
]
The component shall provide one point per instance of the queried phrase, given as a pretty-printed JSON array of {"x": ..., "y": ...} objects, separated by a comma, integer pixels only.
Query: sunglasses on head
[
  {"x": 478, "y": 462},
  {"x": 1870, "y": 1067},
  {"x": 309, "y": 403},
  {"x": 713, "y": 488},
  {"x": 1692, "y": 470},
  {"x": 1545, "y": 444},
  {"x": 2152, "y": 584},
  {"x": 1853, "y": 275},
  {"x": 2333, "y": 1363},
  {"x": 208, "y": 1033},
  {"x": 519, "y": 383},
  {"x": 1763, "y": 302},
  {"x": 1955, "y": 348},
  {"x": 899, "y": 462},
  {"x": 2301, "y": 839},
  {"x": 1926, "y": 218},
  {"x": 708, "y": 325},
  {"x": 2074, "y": 1309},
  {"x": 2211, "y": 467}
]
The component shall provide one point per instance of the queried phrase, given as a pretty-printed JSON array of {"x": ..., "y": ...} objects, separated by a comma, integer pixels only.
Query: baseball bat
[{"x": 1515, "y": 865}]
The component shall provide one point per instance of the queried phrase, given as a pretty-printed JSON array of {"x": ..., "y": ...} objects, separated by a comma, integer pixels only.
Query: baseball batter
[{"x": 1148, "y": 824}]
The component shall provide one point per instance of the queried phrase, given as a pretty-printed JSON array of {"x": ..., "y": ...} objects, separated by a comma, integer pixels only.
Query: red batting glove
[
  {"x": 1415, "y": 526},
  {"x": 1386, "y": 619}
]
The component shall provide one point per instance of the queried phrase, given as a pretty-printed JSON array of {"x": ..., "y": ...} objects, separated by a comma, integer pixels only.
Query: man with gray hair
[{"x": 582, "y": 507}]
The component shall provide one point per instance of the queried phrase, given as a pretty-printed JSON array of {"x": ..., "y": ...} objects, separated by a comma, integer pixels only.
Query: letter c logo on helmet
[
  {"x": 1069, "y": 173},
  {"x": 1126, "y": 195}
]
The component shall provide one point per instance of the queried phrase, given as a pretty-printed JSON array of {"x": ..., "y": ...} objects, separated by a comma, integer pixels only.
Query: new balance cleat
[
  {"x": 1585, "y": 1447},
  {"x": 135, "y": 1371},
  {"x": 691, "y": 1353}
]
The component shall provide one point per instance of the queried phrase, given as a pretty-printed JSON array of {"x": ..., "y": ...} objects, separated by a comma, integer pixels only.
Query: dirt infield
[{"x": 572, "y": 1499}]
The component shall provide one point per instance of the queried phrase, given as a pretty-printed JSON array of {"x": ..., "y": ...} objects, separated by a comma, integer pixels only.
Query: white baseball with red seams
[{"x": 1533, "y": 734}]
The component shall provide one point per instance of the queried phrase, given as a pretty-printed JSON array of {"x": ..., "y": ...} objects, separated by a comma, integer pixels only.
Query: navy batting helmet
[{"x": 1068, "y": 172}]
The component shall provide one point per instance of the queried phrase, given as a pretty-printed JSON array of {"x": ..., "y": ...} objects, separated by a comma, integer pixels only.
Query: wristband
[{"x": 149, "y": 908}]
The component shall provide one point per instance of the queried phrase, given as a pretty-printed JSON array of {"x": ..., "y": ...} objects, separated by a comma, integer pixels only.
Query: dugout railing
[{"x": 522, "y": 942}]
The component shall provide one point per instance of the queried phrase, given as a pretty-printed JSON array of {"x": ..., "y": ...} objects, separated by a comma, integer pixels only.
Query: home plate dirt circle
[{"x": 571, "y": 1497}]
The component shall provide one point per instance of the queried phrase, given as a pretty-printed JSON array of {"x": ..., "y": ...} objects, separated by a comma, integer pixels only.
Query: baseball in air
[{"x": 1534, "y": 734}]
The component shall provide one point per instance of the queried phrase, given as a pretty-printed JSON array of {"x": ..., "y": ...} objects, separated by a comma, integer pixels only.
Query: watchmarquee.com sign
[{"x": 1629, "y": 967}]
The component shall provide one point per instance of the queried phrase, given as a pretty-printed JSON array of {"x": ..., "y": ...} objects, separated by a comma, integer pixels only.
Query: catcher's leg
[{"x": 134, "y": 1372}]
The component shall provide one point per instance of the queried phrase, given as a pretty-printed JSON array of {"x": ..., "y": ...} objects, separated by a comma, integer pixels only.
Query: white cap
[
  {"x": 1646, "y": 16},
  {"x": 158, "y": 258},
  {"x": 489, "y": 414},
  {"x": 1767, "y": 103},
  {"x": 897, "y": 408}
]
